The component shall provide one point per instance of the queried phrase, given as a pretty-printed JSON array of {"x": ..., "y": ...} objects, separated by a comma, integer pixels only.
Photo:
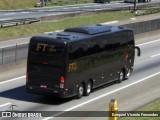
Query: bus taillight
[{"x": 62, "y": 82}]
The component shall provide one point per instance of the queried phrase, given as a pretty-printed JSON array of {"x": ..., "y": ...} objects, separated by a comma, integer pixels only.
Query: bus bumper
[{"x": 46, "y": 91}]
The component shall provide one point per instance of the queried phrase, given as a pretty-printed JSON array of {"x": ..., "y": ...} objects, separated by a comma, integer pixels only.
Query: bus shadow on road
[{"x": 20, "y": 94}]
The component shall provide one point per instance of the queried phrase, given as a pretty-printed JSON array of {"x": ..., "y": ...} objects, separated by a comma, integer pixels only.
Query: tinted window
[{"x": 130, "y": 37}]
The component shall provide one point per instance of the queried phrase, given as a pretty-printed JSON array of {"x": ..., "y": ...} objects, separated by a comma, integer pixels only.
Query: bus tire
[
  {"x": 121, "y": 76},
  {"x": 80, "y": 91},
  {"x": 88, "y": 88}
]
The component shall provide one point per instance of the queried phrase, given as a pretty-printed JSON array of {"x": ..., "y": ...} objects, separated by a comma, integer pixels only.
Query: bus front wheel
[
  {"x": 80, "y": 91},
  {"x": 121, "y": 76}
]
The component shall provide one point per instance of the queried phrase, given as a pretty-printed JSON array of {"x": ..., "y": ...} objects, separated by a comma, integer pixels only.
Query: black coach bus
[{"x": 77, "y": 60}]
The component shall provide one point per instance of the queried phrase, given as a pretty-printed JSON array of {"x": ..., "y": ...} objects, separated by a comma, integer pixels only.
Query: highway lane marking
[
  {"x": 97, "y": 5},
  {"x": 111, "y": 22},
  {"x": 133, "y": 18},
  {"x": 48, "y": 118},
  {"x": 149, "y": 42},
  {"x": 24, "y": 12},
  {"x": 86, "y": 6},
  {"x": 5, "y": 104},
  {"x": 10, "y": 14},
  {"x": 14, "y": 79},
  {"x": 155, "y": 55},
  {"x": 75, "y": 7},
  {"x": 104, "y": 95}
]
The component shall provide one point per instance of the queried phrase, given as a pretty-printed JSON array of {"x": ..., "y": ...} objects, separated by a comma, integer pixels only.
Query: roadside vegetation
[
  {"x": 16, "y": 4},
  {"x": 41, "y": 27},
  {"x": 155, "y": 106},
  {"x": 148, "y": 10}
]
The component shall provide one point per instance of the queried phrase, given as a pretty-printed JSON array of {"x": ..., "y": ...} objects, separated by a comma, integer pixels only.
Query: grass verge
[
  {"x": 155, "y": 106},
  {"x": 16, "y": 4},
  {"x": 36, "y": 28}
]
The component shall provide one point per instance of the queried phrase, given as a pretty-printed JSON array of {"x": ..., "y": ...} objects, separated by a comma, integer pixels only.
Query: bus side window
[
  {"x": 123, "y": 38},
  {"x": 77, "y": 54},
  {"x": 130, "y": 38},
  {"x": 109, "y": 42}
]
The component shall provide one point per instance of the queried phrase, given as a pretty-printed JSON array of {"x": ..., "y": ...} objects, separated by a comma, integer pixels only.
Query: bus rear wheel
[
  {"x": 88, "y": 88},
  {"x": 80, "y": 91}
]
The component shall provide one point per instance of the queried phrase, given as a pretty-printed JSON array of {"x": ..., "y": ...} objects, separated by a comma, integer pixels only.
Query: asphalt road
[
  {"x": 50, "y": 11},
  {"x": 141, "y": 88}
]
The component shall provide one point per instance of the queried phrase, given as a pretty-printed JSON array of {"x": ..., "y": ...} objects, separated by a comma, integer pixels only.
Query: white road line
[
  {"x": 14, "y": 79},
  {"x": 52, "y": 31},
  {"x": 47, "y": 118},
  {"x": 155, "y": 55},
  {"x": 9, "y": 13},
  {"x": 86, "y": 6},
  {"x": 111, "y": 22},
  {"x": 97, "y": 5},
  {"x": 149, "y": 42},
  {"x": 133, "y": 18},
  {"x": 75, "y": 7},
  {"x": 24, "y": 12},
  {"x": 5, "y": 104},
  {"x": 104, "y": 95}
]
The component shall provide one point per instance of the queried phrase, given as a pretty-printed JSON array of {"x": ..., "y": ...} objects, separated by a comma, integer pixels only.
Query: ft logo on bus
[
  {"x": 72, "y": 66},
  {"x": 46, "y": 47},
  {"x": 41, "y": 47}
]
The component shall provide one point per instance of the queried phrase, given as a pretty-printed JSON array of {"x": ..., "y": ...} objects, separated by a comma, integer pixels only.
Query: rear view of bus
[
  {"x": 77, "y": 60},
  {"x": 45, "y": 71}
]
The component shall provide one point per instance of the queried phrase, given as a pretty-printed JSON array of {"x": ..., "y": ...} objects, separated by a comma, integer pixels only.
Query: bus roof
[
  {"x": 84, "y": 32},
  {"x": 91, "y": 29}
]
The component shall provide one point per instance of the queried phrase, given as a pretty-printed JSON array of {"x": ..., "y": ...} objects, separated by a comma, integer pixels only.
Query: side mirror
[{"x": 139, "y": 51}]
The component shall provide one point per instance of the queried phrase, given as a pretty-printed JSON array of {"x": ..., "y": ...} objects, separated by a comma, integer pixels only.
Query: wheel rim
[
  {"x": 81, "y": 90},
  {"x": 121, "y": 76},
  {"x": 89, "y": 87}
]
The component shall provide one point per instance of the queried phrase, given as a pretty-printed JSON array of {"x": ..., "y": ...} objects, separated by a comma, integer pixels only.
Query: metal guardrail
[
  {"x": 14, "y": 22},
  {"x": 13, "y": 53}
]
